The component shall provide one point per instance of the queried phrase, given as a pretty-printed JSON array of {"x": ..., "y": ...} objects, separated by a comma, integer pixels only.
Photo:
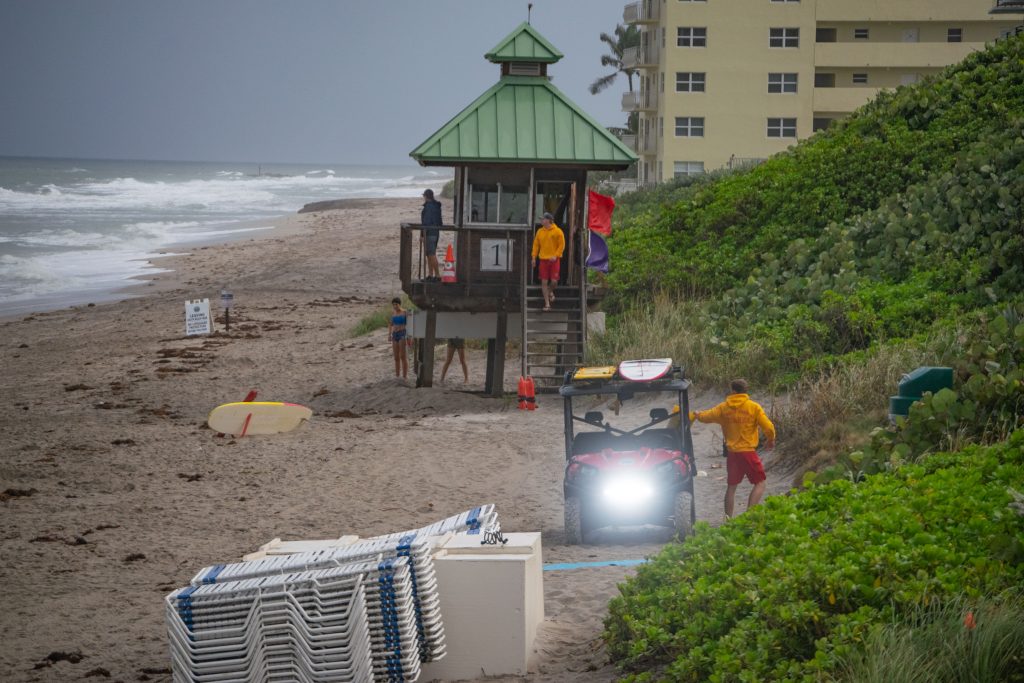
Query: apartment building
[{"x": 724, "y": 83}]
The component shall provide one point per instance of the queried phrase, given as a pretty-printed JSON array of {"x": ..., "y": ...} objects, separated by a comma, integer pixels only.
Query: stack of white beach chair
[{"x": 366, "y": 611}]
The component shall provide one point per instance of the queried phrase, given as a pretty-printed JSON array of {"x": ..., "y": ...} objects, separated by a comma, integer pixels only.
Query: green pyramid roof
[
  {"x": 524, "y": 119},
  {"x": 524, "y": 44}
]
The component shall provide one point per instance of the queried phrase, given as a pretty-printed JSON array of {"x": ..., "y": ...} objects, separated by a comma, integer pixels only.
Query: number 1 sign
[{"x": 494, "y": 254}]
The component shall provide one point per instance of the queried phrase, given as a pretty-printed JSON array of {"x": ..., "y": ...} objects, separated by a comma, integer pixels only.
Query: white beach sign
[{"x": 197, "y": 317}]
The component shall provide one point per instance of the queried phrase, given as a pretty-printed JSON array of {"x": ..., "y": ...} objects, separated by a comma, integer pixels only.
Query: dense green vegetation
[
  {"x": 908, "y": 211},
  {"x": 789, "y": 589},
  {"x": 893, "y": 240}
]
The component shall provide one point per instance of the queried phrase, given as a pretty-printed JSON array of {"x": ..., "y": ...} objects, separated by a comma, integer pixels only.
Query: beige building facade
[{"x": 724, "y": 83}]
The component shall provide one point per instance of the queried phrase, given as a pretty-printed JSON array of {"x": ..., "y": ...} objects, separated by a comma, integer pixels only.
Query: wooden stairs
[{"x": 554, "y": 341}]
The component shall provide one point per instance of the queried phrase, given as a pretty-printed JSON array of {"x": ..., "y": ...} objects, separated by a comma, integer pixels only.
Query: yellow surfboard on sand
[{"x": 257, "y": 417}]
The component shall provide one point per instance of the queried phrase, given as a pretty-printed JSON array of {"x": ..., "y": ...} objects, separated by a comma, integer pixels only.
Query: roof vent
[{"x": 524, "y": 69}]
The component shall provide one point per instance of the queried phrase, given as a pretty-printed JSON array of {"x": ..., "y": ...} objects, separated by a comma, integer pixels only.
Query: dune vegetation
[{"x": 892, "y": 240}]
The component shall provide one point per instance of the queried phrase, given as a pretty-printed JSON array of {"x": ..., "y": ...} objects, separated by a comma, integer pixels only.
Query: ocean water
[{"x": 78, "y": 230}]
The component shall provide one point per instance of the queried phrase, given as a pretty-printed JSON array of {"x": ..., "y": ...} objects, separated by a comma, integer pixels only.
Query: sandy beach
[{"x": 114, "y": 491}]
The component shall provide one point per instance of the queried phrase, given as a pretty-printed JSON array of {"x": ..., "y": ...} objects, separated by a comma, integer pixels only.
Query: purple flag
[{"x": 598, "y": 256}]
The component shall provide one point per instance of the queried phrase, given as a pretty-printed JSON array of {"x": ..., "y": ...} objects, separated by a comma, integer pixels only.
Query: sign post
[
  {"x": 227, "y": 300},
  {"x": 197, "y": 317}
]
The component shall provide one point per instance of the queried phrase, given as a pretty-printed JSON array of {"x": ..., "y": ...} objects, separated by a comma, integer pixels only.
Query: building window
[
  {"x": 821, "y": 124},
  {"x": 784, "y": 37},
  {"x": 691, "y": 36},
  {"x": 782, "y": 128},
  {"x": 860, "y": 34},
  {"x": 824, "y": 80},
  {"x": 825, "y": 35},
  {"x": 662, "y": 81},
  {"x": 689, "y": 126},
  {"x": 954, "y": 35},
  {"x": 860, "y": 79},
  {"x": 781, "y": 83},
  {"x": 690, "y": 81},
  {"x": 687, "y": 168}
]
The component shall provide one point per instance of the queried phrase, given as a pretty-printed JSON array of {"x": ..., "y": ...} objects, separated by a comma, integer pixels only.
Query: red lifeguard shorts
[
  {"x": 549, "y": 269},
  {"x": 744, "y": 463}
]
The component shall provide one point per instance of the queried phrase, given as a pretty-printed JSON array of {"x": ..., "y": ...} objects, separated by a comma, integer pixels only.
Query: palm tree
[{"x": 625, "y": 37}]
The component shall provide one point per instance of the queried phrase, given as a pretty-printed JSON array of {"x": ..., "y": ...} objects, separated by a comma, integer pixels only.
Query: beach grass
[{"x": 378, "y": 318}]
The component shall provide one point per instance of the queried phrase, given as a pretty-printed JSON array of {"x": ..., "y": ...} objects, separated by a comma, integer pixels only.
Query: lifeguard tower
[{"x": 520, "y": 149}]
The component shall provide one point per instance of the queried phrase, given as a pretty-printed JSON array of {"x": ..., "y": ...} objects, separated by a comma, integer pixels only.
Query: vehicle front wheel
[
  {"x": 573, "y": 521},
  {"x": 682, "y": 514}
]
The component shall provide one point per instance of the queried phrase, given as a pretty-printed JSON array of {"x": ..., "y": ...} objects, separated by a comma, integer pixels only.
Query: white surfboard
[
  {"x": 645, "y": 370},
  {"x": 257, "y": 417}
]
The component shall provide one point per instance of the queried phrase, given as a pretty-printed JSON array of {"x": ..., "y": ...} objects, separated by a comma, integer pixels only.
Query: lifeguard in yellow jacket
[
  {"x": 548, "y": 245},
  {"x": 740, "y": 419}
]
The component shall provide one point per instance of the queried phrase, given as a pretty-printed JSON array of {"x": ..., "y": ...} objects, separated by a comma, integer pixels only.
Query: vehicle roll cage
[{"x": 624, "y": 390}]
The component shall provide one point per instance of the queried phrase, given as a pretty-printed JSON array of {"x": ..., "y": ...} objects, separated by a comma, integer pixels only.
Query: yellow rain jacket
[
  {"x": 549, "y": 242},
  {"x": 740, "y": 417}
]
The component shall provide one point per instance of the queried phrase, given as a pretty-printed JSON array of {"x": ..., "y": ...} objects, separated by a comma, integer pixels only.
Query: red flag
[{"x": 600, "y": 213}]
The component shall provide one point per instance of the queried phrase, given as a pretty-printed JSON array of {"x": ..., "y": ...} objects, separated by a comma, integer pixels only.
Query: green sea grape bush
[
  {"x": 947, "y": 244},
  {"x": 792, "y": 588},
  {"x": 715, "y": 233}
]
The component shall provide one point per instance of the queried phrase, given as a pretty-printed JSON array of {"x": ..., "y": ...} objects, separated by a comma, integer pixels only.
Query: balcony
[
  {"x": 629, "y": 140},
  {"x": 641, "y": 57},
  {"x": 647, "y": 144},
  {"x": 643, "y": 12},
  {"x": 892, "y": 55},
  {"x": 842, "y": 100},
  {"x": 640, "y": 101}
]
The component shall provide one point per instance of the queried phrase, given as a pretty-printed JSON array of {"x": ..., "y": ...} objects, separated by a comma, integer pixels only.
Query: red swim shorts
[
  {"x": 549, "y": 269},
  {"x": 744, "y": 463}
]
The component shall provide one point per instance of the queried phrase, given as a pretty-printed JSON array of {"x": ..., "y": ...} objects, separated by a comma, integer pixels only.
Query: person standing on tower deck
[
  {"x": 740, "y": 419},
  {"x": 431, "y": 216},
  {"x": 548, "y": 246}
]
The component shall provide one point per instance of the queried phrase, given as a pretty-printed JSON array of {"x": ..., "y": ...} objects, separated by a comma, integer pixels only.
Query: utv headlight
[
  {"x": 667, "y": 471},
  {"x": 627, "y": 491}
]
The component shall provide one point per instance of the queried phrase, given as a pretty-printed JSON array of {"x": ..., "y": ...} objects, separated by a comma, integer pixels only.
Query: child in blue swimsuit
[{"x": 396, "y": 335}]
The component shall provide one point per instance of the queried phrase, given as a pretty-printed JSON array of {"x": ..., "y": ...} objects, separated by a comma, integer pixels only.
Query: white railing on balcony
[
  {"x": 629, "y": 140},
  {"x": 642, "y": 12},
  {"x": 641, "y": 56},
  {"x": 639, "y": 101}
]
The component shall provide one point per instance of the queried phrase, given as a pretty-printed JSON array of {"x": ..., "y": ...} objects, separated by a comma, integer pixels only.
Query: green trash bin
[{"x": 913, "y": 386}]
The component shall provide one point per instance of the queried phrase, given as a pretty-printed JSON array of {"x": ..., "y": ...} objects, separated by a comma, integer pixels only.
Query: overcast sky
[{"x": 340, "y": 81}]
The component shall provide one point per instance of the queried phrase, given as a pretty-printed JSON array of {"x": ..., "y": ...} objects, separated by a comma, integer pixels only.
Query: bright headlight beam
[{"x": 627, "y": 492}]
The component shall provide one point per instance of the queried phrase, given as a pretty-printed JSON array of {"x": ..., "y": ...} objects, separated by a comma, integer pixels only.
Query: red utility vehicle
[{"x": 627, "y": 477}]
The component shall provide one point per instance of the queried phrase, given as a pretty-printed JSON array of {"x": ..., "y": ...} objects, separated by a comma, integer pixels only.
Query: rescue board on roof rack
[
  {"x": 645, "y": 370},
  {"x": 596, "y": 372}
]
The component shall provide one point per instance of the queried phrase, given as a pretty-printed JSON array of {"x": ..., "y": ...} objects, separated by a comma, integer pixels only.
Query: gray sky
[{"x": 340, "y": 81}]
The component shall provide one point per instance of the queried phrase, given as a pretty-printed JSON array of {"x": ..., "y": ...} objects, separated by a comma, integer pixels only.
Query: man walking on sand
[
  {"x": 740, "y": 419},
  {"x": 548, "y": 245}
]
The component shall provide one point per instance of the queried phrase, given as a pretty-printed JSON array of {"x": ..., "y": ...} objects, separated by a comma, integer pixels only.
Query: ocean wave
[{"x": 34, "y": 276}]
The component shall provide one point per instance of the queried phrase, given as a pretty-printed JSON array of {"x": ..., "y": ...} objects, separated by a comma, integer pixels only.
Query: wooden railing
[{"x": 491, "y": 262}]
